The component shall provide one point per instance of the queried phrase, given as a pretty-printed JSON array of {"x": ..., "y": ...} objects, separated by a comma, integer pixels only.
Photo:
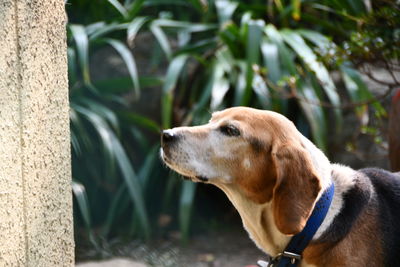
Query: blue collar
[{"x": 292, "y": 254}]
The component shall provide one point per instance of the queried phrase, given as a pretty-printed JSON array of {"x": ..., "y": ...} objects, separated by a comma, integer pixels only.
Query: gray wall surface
[{"x": 36, "y": 225}]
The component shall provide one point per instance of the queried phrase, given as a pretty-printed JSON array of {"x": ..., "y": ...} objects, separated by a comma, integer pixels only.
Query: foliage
[
  {"x": 377, "y": 40},
  {"x": 371, "y": 31},
  {"x": 101, "y": 162},
  {"x": 220, "y": 53}
]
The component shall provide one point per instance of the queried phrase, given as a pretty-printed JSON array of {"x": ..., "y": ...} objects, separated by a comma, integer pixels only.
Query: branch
[
  {"x": 372, "y": 77},
  {"x": 293, "y": 94}
]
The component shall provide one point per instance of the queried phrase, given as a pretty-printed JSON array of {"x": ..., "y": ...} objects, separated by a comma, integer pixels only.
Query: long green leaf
[
  {"x": 148, "y": 166},
  {"x": 197, "y": 47},
  {"x": 114, "y": 147},
  {"x": 220, "y": 87},
  {"x": 225, "y": 10},
  {"x": 134, "y": 27},
  {"x": 112, "y": 211},
  {"x": 314, "y": 114},
  {"x": 172, "y": 181},
  {"x": 171, "y": 79},
  {"x": 200, "y": 5},
  {"x": 161, "y": 38},
  {"x": 118, "y": 6},
  {"x": 72, "y": 71},
  {"x": 129, "y": 60},
  {"x": 140, "y": 138},
  {"x": 118, "y": 199},
  {"x": 102, "y": 111},
  {"x": 166, "y": 108},
  {"x": 75, "y": 143},
  {"x": 133, "y": 185},
  {"x": 272, "y": 63},
  {"x": 358, "y": 90},
  {"x": 93, "y": 27},
  {"x": 261, "y": 89},
  {"x": 252, "y": 56},
  {"x": 79, "y": 130},
  {"x": 279, "y": 5},
  {"x": 358, "y": 7},
  {"x": 82, "y": 46},
  {"x": 185, "y": 207},
  {"x": 135, "y": 8},
  {"x": 287, "y": 58},
  {"x": 81, "y": 198},
  {"x": 297, "y": 43},
  {"x": 205, "y": 95},
  {"x": 187, "y": 26},
  {"x": 134, "y": 118},
  {"x": 230, "y": 36},
  {"x": 183, "y": 37},
  {"x": 100, "y": 126},
  {"x": 315, "y": 37},
  {"x": 270, "y": 54},
  {"x": 225, "y": 59},
  {"x": 173, "y": 72},
  {"x": 109, "y": 28},
  {"x": 296, "y": 13},
  {"x": 121, "y": 85},
  {"x": 240, "y": 87}
]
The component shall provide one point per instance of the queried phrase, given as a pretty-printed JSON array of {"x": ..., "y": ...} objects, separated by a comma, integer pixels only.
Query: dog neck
[{"x": 257, "y": 220}]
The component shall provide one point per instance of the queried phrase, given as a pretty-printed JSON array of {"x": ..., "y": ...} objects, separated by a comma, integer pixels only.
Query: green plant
[
  {"x": 103, "y": 128},
  {"x": 247, "y": 61},
  {"x": 219, "y": 53},
  {"x": 251, "y": 62},
  {"x": 101, "y": 163}
]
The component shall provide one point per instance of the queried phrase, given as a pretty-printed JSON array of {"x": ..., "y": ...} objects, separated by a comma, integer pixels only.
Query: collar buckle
[{"x": 293, "y": 257}]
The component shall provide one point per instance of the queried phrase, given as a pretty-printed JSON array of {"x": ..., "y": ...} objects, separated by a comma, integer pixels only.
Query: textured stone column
[{"x": 36, "y": 226}]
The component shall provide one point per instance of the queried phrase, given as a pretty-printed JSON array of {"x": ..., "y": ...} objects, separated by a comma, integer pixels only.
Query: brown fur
[
  {"x": 296, "y": 191},
  {"x": 361, "y": 247},
  {"x": 258, "y": 185}
]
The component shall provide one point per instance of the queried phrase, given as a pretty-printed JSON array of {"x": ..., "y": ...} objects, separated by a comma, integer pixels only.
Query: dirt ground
[{"x": 229, "y": 248}]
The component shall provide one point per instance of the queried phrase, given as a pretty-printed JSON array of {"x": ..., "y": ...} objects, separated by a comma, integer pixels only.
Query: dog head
[{"x": 261, "y": 153}]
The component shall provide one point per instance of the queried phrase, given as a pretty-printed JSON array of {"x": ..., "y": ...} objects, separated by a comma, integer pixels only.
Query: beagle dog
[{"x": 273, "y": 175}]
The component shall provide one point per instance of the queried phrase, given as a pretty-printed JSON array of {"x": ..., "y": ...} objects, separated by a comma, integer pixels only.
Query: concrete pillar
[{"x": 36, "y": 226}]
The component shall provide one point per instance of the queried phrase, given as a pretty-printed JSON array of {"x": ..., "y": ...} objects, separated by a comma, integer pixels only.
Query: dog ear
[{"x": 296, "y": 189}]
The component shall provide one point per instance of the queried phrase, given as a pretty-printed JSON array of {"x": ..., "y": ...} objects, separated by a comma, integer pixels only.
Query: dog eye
[{"x": 229, "y": 130}]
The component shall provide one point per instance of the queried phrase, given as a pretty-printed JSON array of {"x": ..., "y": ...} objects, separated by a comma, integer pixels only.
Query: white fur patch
[
  {"x": 344, "y": 179},
  {"x": 342, "y": 176},
  {"x": 246, "y": 163},
  {"x": 320, "y": 163}
]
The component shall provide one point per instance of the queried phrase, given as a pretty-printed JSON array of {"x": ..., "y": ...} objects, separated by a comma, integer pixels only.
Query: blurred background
[{"x": 139, "y": 66}]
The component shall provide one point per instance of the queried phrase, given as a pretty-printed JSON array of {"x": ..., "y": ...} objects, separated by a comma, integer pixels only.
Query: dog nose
[{"x": 168, "y": 137}]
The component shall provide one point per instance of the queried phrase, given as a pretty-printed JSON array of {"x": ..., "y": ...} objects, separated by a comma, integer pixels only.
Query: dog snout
[{"x": 168, "y": 137}]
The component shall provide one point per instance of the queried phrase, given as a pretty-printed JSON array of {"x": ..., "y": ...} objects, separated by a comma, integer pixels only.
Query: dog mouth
[
  {"x": 164, "y": 157},
  {"x": 171, "y": 164},
  {"x": 195, "y": 179},
  {"x": 202, "y": 179}
]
